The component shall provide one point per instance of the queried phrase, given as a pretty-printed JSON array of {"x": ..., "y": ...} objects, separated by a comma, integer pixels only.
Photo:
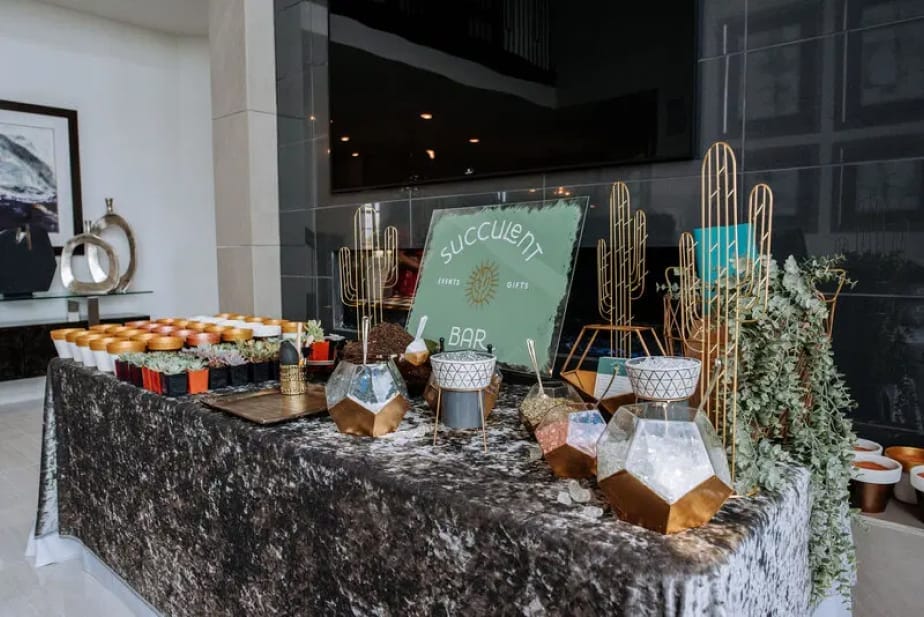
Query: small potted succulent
[
  {"x": 314, "y": 339},
  {"x": 175, "y": 378},
  {"x": 261, "y": 354},
  {"x": 128, "y": 367},
  {"x": 238, "y": 373},
  {"x": 198, "y": 372},
  {"x": 226, "y": 365}
]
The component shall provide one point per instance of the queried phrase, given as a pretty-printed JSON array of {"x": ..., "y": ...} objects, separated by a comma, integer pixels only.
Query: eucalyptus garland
[{"x": 791, "y": 410}]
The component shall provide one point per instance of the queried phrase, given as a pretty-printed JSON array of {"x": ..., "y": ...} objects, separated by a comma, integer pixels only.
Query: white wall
[{"x": 144, "y": 106}]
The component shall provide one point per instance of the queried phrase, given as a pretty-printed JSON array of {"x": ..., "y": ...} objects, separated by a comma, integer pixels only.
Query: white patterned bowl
[
  {"x": 465, "y": 369},
  {"x": 663, "y": 378}
]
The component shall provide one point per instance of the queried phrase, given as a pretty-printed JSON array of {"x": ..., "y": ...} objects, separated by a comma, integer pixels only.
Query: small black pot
[
  {"x": 176, "y": 384},
  {"x": 260, "y": 372},
  {"x": 136, "y": 378},
  {"x": 238, "y": 375},
  {"x": 123, "y": 371},
  {"x": 218, "y": 377}
]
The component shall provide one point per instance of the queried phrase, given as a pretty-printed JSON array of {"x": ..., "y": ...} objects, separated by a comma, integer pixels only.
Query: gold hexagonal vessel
[
  {"x": 662, "y": 466},
  {"x": 367, "y": 399}
]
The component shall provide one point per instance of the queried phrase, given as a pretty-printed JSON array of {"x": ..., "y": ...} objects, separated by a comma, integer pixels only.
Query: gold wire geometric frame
[
  {"x": 620, "y": 280},
  {"x": 371, "y": 267},
  {"x": 736, "y": 285}
]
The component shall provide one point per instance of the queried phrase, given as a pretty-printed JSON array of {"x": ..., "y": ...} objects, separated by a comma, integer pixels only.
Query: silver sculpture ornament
[
  {"x": 76, "y": 286},
  {"x": 108, "y": 220}
]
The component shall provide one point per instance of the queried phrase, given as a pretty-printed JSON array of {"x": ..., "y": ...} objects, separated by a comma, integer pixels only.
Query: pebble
[
  {"x": 591, "y": 512},
  {"x": 578, "y": 493},
  {"x": 565, "y": 499},
  {"x": 535, "y": 453}
]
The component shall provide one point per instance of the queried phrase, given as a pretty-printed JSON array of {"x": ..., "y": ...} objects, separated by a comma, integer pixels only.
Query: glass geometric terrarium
[
  {"x": 662, "y": 466},
  {"x": 367, "y": 399},
  {"x": 568, "y": 435}
]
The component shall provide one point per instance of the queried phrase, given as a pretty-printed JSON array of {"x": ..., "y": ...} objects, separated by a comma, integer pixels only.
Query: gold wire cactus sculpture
[
  {"x": 621, "y": 267},
  {"x": 621, "y": 275},
  {"x": 722, "y": 283},
  {"x": 370, "y": 267}
]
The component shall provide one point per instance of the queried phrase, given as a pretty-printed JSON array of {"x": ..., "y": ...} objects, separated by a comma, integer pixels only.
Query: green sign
[{"x": 499, "y": 275}]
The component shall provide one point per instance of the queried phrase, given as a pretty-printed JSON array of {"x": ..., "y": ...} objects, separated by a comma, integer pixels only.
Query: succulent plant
[
  {"x": 313, "y": 331},
  {"x": 134, "y": 358},
  {"x": 223, "y": 354},
  {"x": 260, "y": 350}
]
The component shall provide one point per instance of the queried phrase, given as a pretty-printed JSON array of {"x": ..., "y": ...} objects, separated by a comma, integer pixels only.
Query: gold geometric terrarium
[
  {"x": 367, "y": 399},
  {"x": 662, "y": 466},
  {"x": 568, "y": 437}
]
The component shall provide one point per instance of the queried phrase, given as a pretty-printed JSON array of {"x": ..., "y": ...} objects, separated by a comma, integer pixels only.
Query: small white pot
[
  {"x": 463, "y": 370},
  {"x": 63, "y": 348},
  {"x": 878, "y": 476},
  {"x": 75, "y": 352},
  {"x": 903, "y": 490},
  {"x": 86, "y": 355},
  {"x": 917, "y": 482},
  {"x": 865, "y": 446},
  {"x": 103, "y": 362}
]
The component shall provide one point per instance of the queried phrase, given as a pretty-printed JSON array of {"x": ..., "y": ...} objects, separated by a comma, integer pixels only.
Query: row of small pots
[
  {"x": 878, "y": 476},
  {"x": 195, "y": 381}
]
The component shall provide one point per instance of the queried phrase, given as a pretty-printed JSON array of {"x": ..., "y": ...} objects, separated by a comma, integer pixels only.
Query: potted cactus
[{"x": 128, "y": 367}]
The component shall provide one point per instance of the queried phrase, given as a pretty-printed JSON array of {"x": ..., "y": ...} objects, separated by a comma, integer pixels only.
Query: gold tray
[{"x": 271, "y": 406}]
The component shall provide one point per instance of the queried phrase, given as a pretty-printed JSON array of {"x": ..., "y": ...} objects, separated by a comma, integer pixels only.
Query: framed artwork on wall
[{"x": 40, "y": 170}]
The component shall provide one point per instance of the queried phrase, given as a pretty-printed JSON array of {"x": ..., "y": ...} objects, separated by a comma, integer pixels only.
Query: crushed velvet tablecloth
[{"x": 203, "y": 513}]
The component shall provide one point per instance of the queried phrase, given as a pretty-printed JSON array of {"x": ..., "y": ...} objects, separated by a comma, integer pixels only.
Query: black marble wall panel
[{"x": 822, "y": 99}]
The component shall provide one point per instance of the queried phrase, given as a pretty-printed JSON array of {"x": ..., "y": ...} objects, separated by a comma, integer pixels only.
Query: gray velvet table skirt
[{"x": 203, "y": 513}]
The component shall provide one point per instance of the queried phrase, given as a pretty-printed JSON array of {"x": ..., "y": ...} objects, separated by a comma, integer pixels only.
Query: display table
[{"x": 203, "y": 513}]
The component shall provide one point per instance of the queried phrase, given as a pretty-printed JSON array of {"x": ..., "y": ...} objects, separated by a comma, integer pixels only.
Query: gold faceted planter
[
  {"x": 353, "y": 418},
  {"x": 568, "y": 436},
  {"x": 367, "y": 399},
  {"x": 662, "y": 466}
]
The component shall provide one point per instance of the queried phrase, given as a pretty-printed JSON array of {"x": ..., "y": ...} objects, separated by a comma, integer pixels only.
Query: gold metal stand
[{"x": 370, "y": 267}]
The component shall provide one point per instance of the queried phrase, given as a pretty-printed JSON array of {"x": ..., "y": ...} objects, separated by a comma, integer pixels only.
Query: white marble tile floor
[{"x": 57, "y": 590}]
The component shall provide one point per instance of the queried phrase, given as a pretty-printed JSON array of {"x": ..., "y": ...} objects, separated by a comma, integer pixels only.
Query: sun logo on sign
[{"x": 482, "y": 284}]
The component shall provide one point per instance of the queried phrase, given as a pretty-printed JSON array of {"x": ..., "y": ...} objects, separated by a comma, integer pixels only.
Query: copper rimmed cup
[
  {"x": 237, "y": 334},
  {"x": 165, "y": 343},
  {"x": 917, "y": 483},
  {"x": 59, "y": 338},
  {"x": 908, "y": 457},
  {"x": 872, "y": 482}
]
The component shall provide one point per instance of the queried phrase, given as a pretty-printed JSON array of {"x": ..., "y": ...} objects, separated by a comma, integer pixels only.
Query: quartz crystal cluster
[{"x": 662, "y": 466}]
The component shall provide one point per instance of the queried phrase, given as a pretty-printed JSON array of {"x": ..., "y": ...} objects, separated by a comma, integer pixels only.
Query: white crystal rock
[
  {"x": 564, "y": 498},
  {"x": 669, "y": 457},
  {"x": 578, "y": 493},
  {"x": 591, "y": 512}
]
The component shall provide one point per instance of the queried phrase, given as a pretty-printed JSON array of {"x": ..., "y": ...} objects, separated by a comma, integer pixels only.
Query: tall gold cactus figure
[
  {"x": 620, "y": 280},
  {"x": 371, "y": 267},
  {"x": 621, "y": 267},
  {"x": 724, "y": 282}
]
